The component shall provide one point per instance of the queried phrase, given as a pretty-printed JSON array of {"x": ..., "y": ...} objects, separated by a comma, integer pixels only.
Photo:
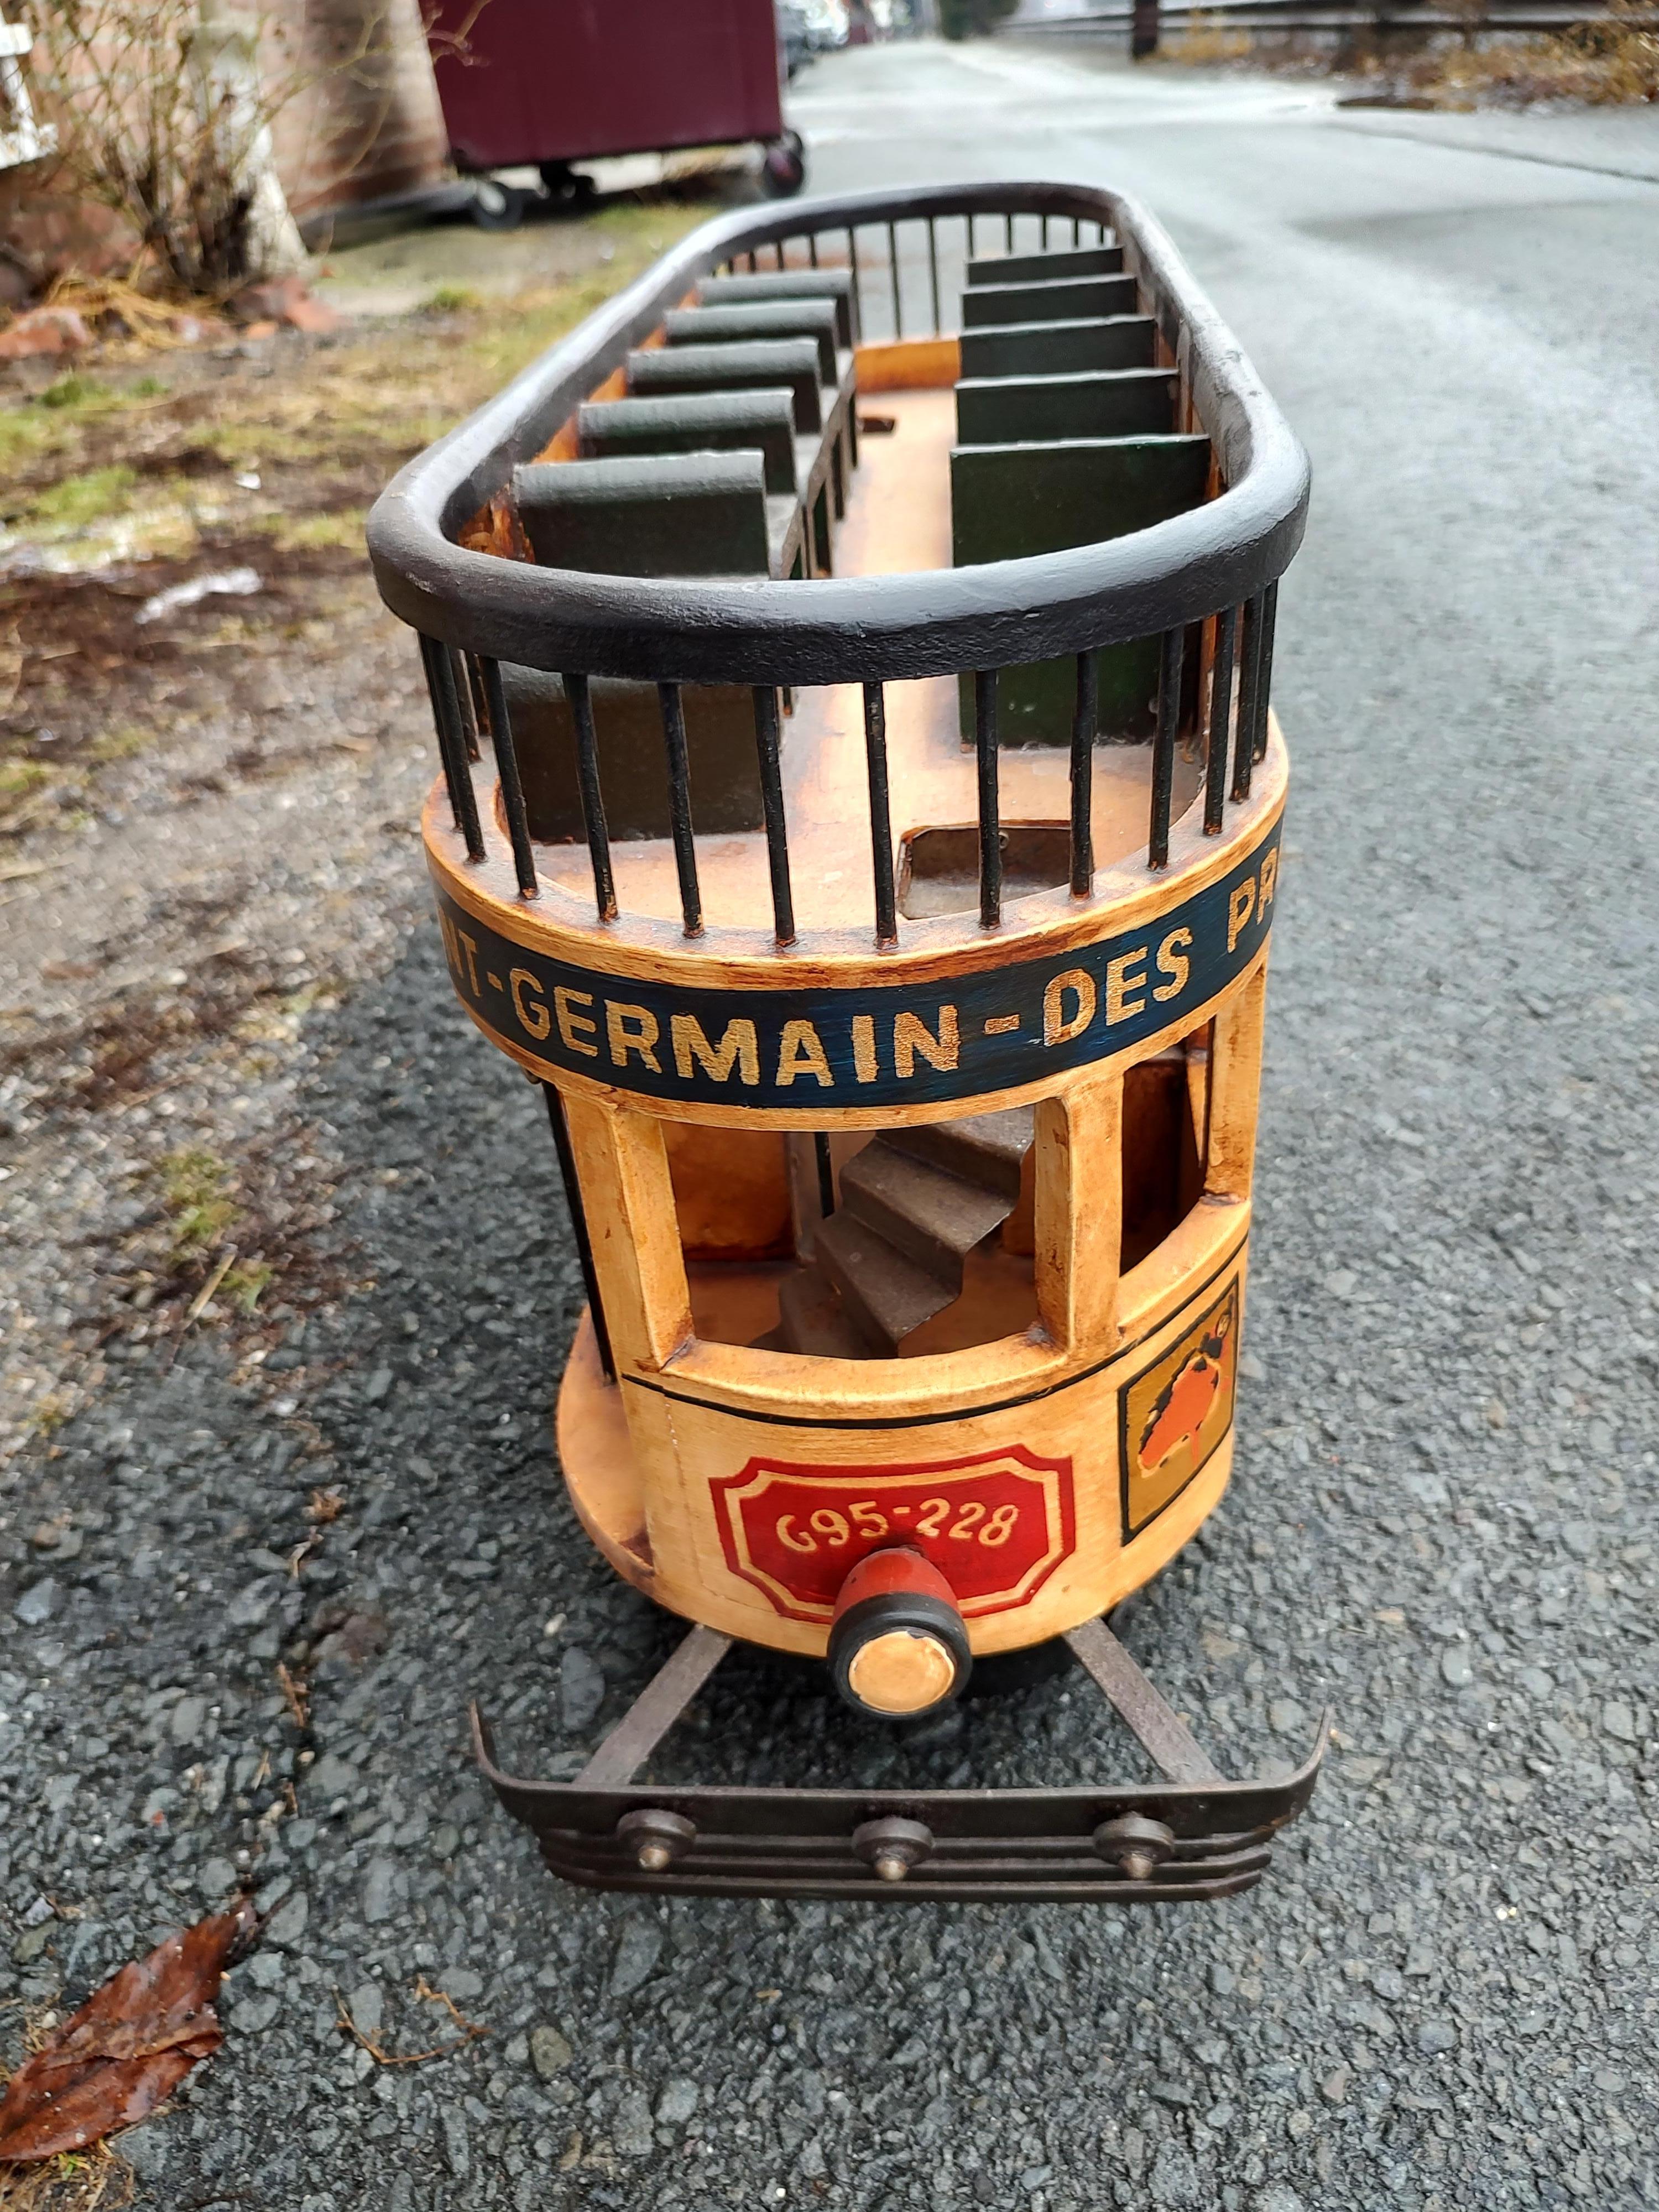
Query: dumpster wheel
[{"x": 783, "y": 168}]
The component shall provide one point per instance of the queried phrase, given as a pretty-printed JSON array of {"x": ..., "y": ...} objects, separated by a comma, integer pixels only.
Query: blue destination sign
[{"x": 877, "y": 1045}]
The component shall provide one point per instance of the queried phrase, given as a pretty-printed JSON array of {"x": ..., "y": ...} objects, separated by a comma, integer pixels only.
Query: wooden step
[
  {"x": 982, "y": 1148},
  {"x": 813, "y": 1319},
  {"x": 926, "y": 1213},
  {"x": 884, "y": 1294}
]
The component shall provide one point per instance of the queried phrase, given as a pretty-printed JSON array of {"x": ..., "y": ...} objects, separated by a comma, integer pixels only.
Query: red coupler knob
[{"x": 898, "y": 1645}]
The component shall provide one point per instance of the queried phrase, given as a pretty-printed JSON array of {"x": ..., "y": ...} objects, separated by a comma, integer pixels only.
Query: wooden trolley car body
[{"x": 937, "y": 1005}]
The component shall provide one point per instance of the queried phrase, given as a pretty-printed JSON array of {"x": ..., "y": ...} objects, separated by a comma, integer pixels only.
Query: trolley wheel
[
  {"x": 898, "y": 1647},
  {"x": 497, "y": 206},
  {"x": 783, "y": 170}
]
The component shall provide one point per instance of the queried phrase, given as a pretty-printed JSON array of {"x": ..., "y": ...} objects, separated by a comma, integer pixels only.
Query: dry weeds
[
  {"x": 1610, "y": 60},
  {"x": 95, "y": 2180}
]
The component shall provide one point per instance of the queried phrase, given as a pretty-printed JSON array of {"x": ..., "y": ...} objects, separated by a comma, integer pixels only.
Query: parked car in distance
[
  {"x": 827, "y": 25},
  {"x": 794, "y": 35}
]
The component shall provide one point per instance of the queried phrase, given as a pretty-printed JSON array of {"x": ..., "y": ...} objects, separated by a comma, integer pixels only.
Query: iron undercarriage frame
[{"x": 1194, "y": 1837}]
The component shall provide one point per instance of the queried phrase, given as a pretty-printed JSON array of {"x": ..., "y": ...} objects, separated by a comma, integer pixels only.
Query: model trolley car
[{"x": 849, "y": 652}]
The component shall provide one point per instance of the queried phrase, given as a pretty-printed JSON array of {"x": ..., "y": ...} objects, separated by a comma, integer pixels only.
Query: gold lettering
[
  {"x": 471, "y": 944},
  {"x": 533, "y": 1013},
  {"x": 1120, "y": 981},
  {"x": 451, "y": 946},
  {"x": 911, "y": 1036},
  {"x": 801, "y": 1053},
  {"x": 1058, "y": 1026},
  {"x": 564, "y": 1002},
  {"x": 1174, "y": 964},
  {"x": 630, "y": 1028},
  {"x": 864, "y": 1048},
  {"x": 1269, "y": 881},
  {"x": 1240, "y": 907},
  {"x": 739, "y": 1047}
]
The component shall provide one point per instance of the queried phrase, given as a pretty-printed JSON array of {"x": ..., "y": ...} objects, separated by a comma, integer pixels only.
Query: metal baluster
[
  {"x": 1085, "y": 723},
  {"x": 777, "y": 253},
  {"x": 1221, "y": 712},
  {"x": 933, "y": 273},
  {"x": 1163, "y": 747},
  {"x": 881, "y": 823},
  {"x": 1044, "y": 234},
  {"x": 1007, "y": 234},
  {"x": 858, "y": 282},
  {"x": 893, "y": 273},
  {"x": 767, "y": 738},
  {"x": 465, "y": 720},
  {"x": 573, "y": 1198},
  {"x": 990, "y": 808},
  {"x": 592, "y": 799},
  {"x": 1264, "y": 682},
  {"x": 971, "y": 248},
  {"x": 466, "y": 701},
  {"x": 812, "y": 249},
  {"x": 826, "y": 1167},
  {"x": 451, "y": 744},
  {"x": 753, "y": 264},
  {"x": 506, "y": 768},
  {"x": 1076, "y": 228},
  {"x": 679, "y": 807},
  {"x": 1250, "y": 664}
]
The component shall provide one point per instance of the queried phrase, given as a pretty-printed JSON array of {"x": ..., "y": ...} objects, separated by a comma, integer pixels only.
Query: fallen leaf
[{"x": 130, "y": 2045}]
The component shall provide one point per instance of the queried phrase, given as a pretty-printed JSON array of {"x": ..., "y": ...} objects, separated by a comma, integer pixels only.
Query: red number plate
[{"x": 996, "y": 1525}]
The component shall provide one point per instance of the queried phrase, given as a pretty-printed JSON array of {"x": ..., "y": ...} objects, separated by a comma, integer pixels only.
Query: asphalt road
[{"x": 1444, "y": 1999}]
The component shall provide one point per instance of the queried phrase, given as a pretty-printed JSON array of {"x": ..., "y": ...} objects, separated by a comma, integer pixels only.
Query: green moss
[
  {"x": 197, "y": 1185},
  {"x": 245, "y": 1283},
  {"x": 295, "y": 533},
  {"x": 73, "y": 390},
  {"x": 77, "y": 501},
  {"x": 19, "y": 777}
]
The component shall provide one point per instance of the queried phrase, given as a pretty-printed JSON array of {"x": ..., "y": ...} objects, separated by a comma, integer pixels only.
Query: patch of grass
[
  {"x": 75, "y": 502},
  {"x": 25, "y": 432},
  {"x": 73, "y": 390},
  {"x": 51, "y": 1412},
  {"x": 297, "y": 533},
  {"x": 121, "y": 742},
  {"x": 451, "y": 299},
  {"x": 243, "y": 1284},
  {"x": 150, "y": 387},
  {"x": 19, "y": 777},
  {"x": 197, "y": 1185}
]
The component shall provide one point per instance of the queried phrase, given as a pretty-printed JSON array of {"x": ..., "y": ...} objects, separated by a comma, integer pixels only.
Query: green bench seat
[
  {"x": 1112, "y": 403},
  {"x": 1037, "y": 268},
  {"x": 702, "y": 513},
  {"x": 1011, "y": 501},
  {"x": 834, "y": 284},
  {"x": 1059, "y": 348},
  {"x": 1068, "y": 299}
]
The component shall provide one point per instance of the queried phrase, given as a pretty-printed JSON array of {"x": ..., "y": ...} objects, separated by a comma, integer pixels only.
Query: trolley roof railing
[{"x": 850, "y": 628}]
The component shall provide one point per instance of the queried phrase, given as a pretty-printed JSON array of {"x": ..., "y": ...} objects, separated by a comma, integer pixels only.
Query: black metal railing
[
  {"x": 934, "y": 257},
  {"x": 1204, "y": 584},
  {"x": 1234, "y": 739}
]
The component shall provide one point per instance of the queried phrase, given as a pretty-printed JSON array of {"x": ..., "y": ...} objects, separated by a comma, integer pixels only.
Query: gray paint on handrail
[{"x": 850, "y": 628}]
